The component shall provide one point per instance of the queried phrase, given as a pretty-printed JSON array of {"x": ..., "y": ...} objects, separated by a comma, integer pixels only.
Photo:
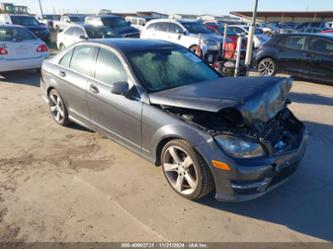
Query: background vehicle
[
  {"x": 68, "y": 20},
  {"x": 77, "y": 33},
  {"x": 156, "y": 113},
  {"x": 259, "y": 38},
  {"x": 49, "y": 20},
  {"x": 30, "y": 22},
  {"x": 138, "y": 22},
  {"x": 312, "y": 25},
  {"x": 304, "y": 55},
  {"x": 20, "y": 49},
  {"x": 187, "y": 34},
  {"x": 119, "y": 26}
]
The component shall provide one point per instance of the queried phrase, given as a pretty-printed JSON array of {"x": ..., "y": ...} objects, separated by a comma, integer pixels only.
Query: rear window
[
  {"x": 82, "y": 59},
  {"x": 321, "y": 45},
  {"x": 8, "y": 34},
  {"x": 24, "y": 20}
]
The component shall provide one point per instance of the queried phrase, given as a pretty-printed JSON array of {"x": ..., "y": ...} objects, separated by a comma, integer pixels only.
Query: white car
[
  {"x": 258, "y": 39},
  {"x": 20, "y": 49},
  {"x": 76, "y": 33},
  {"x": 187, "y": 33},
  {"x": 68, "y": 20}
]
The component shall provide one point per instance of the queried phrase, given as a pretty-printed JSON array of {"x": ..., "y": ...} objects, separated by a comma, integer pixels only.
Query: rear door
[
  {"x": 319, "y": 58},
  {"x": 291, "y": 54}
]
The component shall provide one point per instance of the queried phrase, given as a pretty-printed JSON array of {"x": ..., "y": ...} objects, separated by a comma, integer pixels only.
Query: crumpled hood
[{"x": 258, "y": 99}]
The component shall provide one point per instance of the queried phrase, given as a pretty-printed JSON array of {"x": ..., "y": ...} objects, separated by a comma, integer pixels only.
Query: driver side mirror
[{"x": 120, "y": 88}]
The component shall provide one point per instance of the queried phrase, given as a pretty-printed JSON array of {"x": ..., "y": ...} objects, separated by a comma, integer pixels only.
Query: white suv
[{"x": 185, "y": 33}]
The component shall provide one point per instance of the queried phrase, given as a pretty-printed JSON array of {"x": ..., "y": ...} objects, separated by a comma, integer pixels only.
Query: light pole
[
  {"x": 40, "y": 7},
  {"x": 250, "y": 36}
]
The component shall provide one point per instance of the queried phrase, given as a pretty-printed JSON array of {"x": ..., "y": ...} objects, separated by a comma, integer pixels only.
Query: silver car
[{"x": 234, "y": 135}]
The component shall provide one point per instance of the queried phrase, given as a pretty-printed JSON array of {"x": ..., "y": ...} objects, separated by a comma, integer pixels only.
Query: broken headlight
[{"x": 238, "y": 147}]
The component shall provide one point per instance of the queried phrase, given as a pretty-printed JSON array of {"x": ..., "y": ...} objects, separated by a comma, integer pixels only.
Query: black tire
[
  {"x": 57, "y": 107},
  {"x": 205, "y": 182},
  {"x": 266, "y": 67}
]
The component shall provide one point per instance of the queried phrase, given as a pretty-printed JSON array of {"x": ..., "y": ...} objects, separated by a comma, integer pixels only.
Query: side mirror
[
  {"x": 83, "y": 37},
  {"x": 120, "y": 88},
  {"x": 68, "y": 21}
]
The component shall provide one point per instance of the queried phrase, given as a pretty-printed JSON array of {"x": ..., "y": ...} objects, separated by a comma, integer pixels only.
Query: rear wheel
[
  {"x": 185, "y": 170},
  {"x": 267, "y": 67},
  {"x": 57, "y": 108}
]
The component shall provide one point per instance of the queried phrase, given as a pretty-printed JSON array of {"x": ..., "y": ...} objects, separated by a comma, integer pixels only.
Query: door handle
[
  {"x": 62, "y": 73},
  {"x": 93, "y": 89}
]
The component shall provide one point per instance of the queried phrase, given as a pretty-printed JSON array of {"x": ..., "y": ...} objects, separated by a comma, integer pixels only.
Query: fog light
[{"x": 221, "y": 165}]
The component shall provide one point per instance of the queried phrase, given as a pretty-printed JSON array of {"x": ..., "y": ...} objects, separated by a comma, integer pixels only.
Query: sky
[{"x": 216, "y": 7}]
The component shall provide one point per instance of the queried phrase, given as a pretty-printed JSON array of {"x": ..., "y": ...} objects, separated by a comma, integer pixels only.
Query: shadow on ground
[
  {"x": 314, "y": 99},
  {"x": 305, "y": 202},
  {"x": 26, "y": 77}
]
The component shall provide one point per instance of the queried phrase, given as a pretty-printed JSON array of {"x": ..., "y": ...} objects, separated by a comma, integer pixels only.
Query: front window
[
  {"x": 115, "y": 22},
  {"x": 167, "y": 68},
  {"x": 24, "y": 20},
  {"x": 196, "y": 28},
  {"x": 99, "y": 32},
  {"x": 15, "y": 34}
]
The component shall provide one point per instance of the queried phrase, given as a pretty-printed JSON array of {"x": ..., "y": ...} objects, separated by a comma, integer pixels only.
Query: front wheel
[
  {"x": 267, "y": 67},
  {"x": 185, "y": 170}
]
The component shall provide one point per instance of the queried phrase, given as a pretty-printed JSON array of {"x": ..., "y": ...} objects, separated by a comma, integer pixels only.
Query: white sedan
[{"x": 20, "y": 49}]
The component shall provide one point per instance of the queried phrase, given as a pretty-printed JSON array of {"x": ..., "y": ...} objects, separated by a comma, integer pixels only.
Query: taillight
[
  {"x": 3, "y": 51},
  {"x": 42, "y": 48}
]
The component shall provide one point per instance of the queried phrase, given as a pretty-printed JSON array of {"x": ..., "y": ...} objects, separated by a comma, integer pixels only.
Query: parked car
[
  {"x": 187, "y": 33},
  {"x": 49, "y": 20},
  {"x": 311, "y": 30},
  {"x": 259, "y": 38},
  {"x": 239, "y": 138},
  {"x": 304, "y": 55},
  {"x": 327, "y": 31},
  {"x": 118, "y": 25},
  {"x": 230, "y": 48},
  {"x": 313, "y": 25},
  {"x": 20, "y": 49},
  {"x": 29, "y": 22},
  {"x": 138, "y": 22},
  {"x": 77, "y": 33},
  {"x": 68, "y": 20}
]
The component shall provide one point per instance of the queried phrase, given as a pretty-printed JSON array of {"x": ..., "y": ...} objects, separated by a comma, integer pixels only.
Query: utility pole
[
  {"x": 249, "y": 49},
  {"x": 40, "y": 7}
]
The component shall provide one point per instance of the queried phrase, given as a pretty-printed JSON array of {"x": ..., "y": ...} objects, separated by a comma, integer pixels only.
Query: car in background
[
  {"x": 77, "y": 33},
  {"x": 29, "y": 22},
  {"x": 68, "y": 20},
  {"x": 303, "y": 55},
  {"x": 190, "y": 34},
  {"x": 119, "y": 26},
  {"x": 138, "y": 22},
  {"x": 305, "y": 25},
  {"x": 231, "y": 43},
  {"x": 258, "y": 39},
  {"x": 232, "y": 135},
  {"x": 20, "y": 49},
  {"x": 329, "y": 30},
  {"x": 49, "y": 20}
]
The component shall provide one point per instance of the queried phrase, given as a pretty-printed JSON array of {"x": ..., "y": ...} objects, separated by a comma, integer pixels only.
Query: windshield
[
  {"x": 99, "y": 32},
  {"x": 115, "y": 22},
  {"x": 8, "y": 34},
  {"x": 76, "y": 18},
  {"x": 24, "y": 20},
  {"x": 167, "y": 68},
  {"x": 196, "y": 28}
]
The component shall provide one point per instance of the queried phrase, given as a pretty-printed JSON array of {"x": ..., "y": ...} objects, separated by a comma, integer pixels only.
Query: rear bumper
[
  {"x": 250, "y": 179},
  {"x": 22, "y": 64}
]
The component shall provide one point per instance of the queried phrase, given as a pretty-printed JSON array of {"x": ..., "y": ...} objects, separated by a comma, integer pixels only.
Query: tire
[
  {"x": 196, "y": 50},
  {"x": 57, "y": 108},
  {"x": 185, "y": 170},
  {"x": 267, "y": 67}
]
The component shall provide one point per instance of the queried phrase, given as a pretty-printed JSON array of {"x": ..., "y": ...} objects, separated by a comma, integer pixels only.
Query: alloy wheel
[
  {"x": 266, "y": 67},
  {"x": 180, "y": 170},
  {"x": 57, "y": 108}
]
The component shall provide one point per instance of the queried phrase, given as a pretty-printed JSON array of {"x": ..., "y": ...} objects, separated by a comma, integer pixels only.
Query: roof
[
  {"x": 326, "y": 14},
  {"x": 132, "y": 45}
]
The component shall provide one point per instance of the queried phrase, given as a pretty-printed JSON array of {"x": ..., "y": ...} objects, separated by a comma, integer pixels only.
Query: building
[
  {"x": 218, "y": 18},
  {"x": 183, "y": 16},
  {"x": 285, "y": 16}
]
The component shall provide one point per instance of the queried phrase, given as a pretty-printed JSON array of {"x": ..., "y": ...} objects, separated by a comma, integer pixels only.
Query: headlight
[
  {"x": 210, "y": 42},
  {"x": 240, "y": 148}
]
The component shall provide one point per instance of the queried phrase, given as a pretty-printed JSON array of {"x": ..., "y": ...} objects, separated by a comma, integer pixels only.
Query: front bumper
[{"x": 251, "y": 178}]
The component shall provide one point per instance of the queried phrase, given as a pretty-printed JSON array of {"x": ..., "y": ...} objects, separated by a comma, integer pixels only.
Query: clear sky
[{"x": 217, "y": 7}]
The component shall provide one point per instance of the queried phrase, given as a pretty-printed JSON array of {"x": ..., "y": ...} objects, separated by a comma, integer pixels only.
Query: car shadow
[
  {"x": 25, "y": 77},
  {"x": 305, "y": 202},
  {"x": 310, "y": 99}
]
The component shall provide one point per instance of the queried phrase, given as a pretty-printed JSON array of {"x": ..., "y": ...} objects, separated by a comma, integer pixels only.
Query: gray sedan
[{"x": 234, "y": 135}]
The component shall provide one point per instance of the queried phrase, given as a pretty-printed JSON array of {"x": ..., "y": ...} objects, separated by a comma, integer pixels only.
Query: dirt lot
[{"x": 69, "y": 184}]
